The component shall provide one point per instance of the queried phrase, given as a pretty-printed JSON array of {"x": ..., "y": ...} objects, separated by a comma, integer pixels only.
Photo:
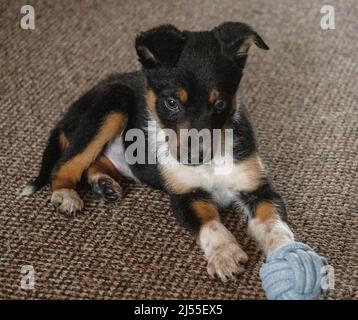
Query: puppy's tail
[{"x": 50, "y": 157}]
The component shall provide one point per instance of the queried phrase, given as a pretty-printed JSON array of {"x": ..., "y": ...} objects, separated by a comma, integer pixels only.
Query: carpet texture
[{"x": 302, "y": 96}]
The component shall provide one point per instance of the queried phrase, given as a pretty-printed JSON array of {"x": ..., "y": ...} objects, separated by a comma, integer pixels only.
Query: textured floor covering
[{"x": 302, "y": 95}]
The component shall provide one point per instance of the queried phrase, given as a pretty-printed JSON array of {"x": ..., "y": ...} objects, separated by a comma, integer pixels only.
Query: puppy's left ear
[
  {"x": 160, "y": 46},
  {"x": 237, "y": 38}
]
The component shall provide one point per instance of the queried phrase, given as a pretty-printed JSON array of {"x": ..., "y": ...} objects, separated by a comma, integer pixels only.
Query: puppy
[{"x": 188, "y": 81}]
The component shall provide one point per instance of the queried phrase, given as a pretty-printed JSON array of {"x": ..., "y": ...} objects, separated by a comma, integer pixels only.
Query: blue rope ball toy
[{"x": 294, "y": 272}]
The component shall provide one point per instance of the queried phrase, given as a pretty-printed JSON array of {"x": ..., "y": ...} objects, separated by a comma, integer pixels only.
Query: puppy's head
[{"x": 193, "y": 76}]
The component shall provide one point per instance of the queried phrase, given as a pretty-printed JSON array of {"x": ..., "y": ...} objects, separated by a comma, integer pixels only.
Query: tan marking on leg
[
  {"x": 183, "y": 95},
  {"x": 225, "y": 256},
  {"x": 271, "y": 233},
  {"x": 70, "y": 172},
  {"x": 213, "y": 96},
  {"x": 205, "y": 210},
  {"x": 266, "y": 210},
  {"x": 220, "y": 247},
  {"x": 103, "y": 166}
]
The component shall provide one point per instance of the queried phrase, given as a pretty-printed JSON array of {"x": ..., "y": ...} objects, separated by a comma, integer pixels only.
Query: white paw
[
  {"x": 226, "y": 261},
  {"x": 67, "y": 201},
  {"x": 224, "y": 255}
]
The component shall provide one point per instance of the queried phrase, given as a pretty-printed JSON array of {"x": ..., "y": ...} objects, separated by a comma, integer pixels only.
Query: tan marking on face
[
  {"x": 213, "y": 96},
  {"x": 63, "y": 141},
  {"x": 266, "y": 210},
  {"x": 151, "y": 98},
  {"x": 185, "y": 125},
  {"x": 70, "y": 172},
  {"x": 182, "y": 127},
  {"x": 183, "y": 95},
  {"x": 205, "y": 210}
]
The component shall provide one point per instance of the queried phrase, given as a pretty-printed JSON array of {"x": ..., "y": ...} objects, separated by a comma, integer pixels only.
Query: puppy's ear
[
  {"x": 160, "y": 46},
  {"x": 236, "y": 38}
]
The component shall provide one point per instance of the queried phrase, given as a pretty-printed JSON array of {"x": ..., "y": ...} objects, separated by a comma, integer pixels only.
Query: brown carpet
[{"x": 302, "y": 95}]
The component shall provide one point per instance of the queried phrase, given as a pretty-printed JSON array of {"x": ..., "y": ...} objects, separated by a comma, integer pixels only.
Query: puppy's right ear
[{"x": 160, "y": 46}]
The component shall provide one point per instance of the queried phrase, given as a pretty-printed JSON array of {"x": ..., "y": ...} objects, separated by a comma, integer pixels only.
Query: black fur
[
  {"x": 198, "y": 63},
  {"x": 160, "y": 47},
  {"x": 50, "y": 157},
  {"x": 81, "y": 123},
  {"x": 244, "y": 137}
]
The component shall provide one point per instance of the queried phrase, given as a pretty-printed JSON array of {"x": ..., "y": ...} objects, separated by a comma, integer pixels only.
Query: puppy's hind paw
[
  {"x": 67, "y": 201},
  {"x": 107, "y": 188}
]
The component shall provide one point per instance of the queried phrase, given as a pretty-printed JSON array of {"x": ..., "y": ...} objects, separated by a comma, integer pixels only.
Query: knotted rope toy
[{"x": 294, "y": 272}]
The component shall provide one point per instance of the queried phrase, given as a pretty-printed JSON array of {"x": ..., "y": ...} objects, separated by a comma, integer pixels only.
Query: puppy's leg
[
  {"x": 104, "y": 179},
  {"x": 91, "y": 122},
  {"x": 198, "y": 213},
  {"x": 83, "y": 149},
  {"x": 267, "y": 216}
]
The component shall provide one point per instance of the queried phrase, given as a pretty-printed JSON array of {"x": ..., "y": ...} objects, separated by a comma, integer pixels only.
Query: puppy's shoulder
[
  {"x": 244, "y": 134},
  {"x": 134, "y": 80}
]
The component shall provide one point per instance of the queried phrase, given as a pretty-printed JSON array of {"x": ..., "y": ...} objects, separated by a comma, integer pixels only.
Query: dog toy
[{"x": 293, "y": 272}]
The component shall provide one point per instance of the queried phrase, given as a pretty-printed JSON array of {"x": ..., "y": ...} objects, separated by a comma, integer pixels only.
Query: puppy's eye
[
  {"x": 172, "y": 104},
  {"x": 220, "y": 105}
]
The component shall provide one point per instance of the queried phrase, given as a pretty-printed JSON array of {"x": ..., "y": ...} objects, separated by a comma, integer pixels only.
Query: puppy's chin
[
  {"x": 192, "y": 164},
  {"x": 195, "y": 161}
]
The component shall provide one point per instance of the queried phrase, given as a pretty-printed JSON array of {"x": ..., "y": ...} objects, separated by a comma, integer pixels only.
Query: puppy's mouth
[
  {"x": 193, "y": 162},
  {"x": 198, "y": 160},
  {"x": 193, "y": 156}
]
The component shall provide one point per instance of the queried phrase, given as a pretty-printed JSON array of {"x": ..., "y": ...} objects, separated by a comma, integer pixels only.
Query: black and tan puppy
[{"x": 189, "y": 80}]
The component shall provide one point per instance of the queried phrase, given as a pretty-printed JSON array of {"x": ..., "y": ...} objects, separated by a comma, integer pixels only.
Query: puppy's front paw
[
  {"x": 225, "y": 257},
  {"x": 67, "y": 201},
  {"x": 107, "y": 188},
  {"x": 226, "y": 261}
]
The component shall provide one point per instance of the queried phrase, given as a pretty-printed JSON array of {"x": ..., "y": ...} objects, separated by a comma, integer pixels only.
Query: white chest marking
[
  {"x": 116, "y": 154},
  {"x": 222, "y": 177}
]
